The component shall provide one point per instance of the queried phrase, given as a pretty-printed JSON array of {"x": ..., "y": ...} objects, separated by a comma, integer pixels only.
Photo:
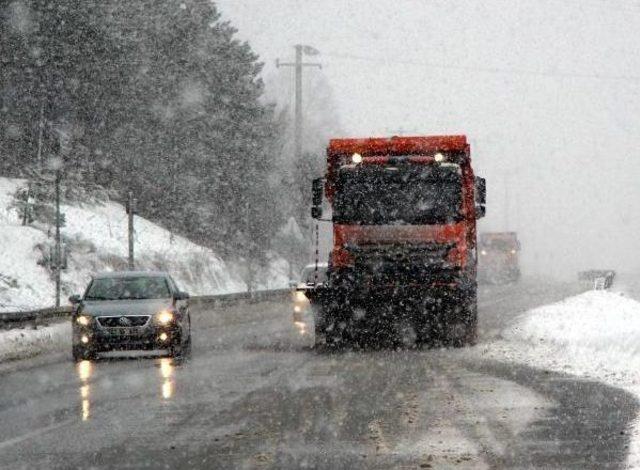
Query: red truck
[
  {"x": 404, "y": 213},
  {"x": 498, "y": 260}
]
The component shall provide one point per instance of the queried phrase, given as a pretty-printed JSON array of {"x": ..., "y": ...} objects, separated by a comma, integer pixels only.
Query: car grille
[{"x": 123, "y": 321}]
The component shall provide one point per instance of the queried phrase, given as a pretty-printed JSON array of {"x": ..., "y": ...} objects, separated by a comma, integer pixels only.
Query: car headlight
[
  {"x": 300, "y": 297},
  {"x": 165, "y": 317},
  {"x": 83, "y": 320},
  {"x": 483, "y": 252}
]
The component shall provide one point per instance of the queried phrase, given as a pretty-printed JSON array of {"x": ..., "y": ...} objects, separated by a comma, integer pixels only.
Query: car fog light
[
  {"x": 84, "y": 339},
  {"x": 163, "y": 336},
  {"x": 297, "y": 308}
]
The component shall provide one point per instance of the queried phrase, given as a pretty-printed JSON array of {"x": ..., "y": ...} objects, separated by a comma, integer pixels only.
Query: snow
[
  {"x": 27, "y": 342},
  {"x": 595, "y": 330},
  {"x": 23, "y": 284},
  {"x": 595, "y": 335},
  {"x": 96, "y": 236}
]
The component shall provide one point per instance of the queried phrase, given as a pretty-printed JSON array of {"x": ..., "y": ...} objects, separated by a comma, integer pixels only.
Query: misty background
[{"x": 547, "y": 91}]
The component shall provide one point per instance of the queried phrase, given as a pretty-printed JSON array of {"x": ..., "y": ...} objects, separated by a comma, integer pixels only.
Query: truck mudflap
[{"x": 438, "y": 315}]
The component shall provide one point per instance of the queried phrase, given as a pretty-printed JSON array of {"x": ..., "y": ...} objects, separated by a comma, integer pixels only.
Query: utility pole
[
  {"x": 131, "y": 207},
  {"x": 506, "y": 201},
  {"x": 58, "y": 251},
  {"x": 40, "y": 131},
  {"x": 298, "y": 66}
]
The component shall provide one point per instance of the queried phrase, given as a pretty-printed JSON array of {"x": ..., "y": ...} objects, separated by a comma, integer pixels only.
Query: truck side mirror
[
  {"x": 480, "y": 196},
  {"x": 317, "y": 188},
  {"x": 481, "y": 190}
]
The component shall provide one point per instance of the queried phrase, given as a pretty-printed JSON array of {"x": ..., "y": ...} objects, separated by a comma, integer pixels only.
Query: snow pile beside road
[
  {"x": 27, "y": 342},
  {"x": 595, "y": 335},
  {"x": 96, "y": 236},
  {"x": 593, "y": 332}
]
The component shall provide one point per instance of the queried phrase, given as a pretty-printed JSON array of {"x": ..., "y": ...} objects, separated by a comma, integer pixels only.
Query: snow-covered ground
[
  {"x": 97, "y": 239},
  {"x": 595, "y": 335},
  {"x": 27, "y": 342}
]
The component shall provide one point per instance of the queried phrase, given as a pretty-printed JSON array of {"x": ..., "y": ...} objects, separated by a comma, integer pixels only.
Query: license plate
[{"x": 124, "y": 332}]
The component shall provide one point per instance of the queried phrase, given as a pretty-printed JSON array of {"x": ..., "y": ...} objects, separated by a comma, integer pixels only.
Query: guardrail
[{"x": 17, "y": 319}]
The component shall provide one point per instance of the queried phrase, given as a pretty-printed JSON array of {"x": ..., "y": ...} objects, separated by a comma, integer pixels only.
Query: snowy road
[{"x": 255, "y": 395}]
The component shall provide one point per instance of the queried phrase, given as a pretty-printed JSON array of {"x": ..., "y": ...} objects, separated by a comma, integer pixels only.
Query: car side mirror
[
  {"x": 180, "y": 295},
  {"x": 75, "y": 299},
  {"x": 316, "y": 212}
]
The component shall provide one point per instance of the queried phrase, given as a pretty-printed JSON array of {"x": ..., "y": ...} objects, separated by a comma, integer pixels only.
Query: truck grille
[
  {"x": 123, "y": 321},
  {"x": 400, "y": 264}
]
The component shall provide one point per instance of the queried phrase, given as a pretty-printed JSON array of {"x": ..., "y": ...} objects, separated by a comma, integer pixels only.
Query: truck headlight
[
  {"x": 83, "y": 320},
  {"x": 165, "y": 317}
]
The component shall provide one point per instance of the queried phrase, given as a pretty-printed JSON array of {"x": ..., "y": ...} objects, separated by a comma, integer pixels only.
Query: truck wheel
[
  {"x": 320, "y": 337},
  {"x": 465, "y": 333},
  {"x": 406, "y": 334},
  {"x": 331, "y": 336},
  {"x": 460, "y": 322}
]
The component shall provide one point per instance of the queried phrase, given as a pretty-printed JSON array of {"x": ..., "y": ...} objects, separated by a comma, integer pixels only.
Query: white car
[{"x": 311, "y": 275}]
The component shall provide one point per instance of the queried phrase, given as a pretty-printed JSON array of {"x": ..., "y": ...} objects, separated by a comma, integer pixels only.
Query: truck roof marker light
[
  {"x": 356, "y": 158},
  {"x": 438, "y": 157}
]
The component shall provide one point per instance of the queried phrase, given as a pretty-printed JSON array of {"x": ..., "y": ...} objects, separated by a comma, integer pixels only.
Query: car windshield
[
  {"x": 115, "y": 288},
  {"x": 377, "y": 195}
]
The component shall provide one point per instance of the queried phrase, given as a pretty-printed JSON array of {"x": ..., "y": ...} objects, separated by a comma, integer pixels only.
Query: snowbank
[
  {"x": 595, "y": 335},
  {"x": 27, "y": 342},
  {"x": 96, "y": 236},
  {"x": 595, "y": 331}
]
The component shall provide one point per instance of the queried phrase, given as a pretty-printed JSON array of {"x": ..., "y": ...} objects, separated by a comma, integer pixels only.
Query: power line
[{"x": 491, "y": 70}]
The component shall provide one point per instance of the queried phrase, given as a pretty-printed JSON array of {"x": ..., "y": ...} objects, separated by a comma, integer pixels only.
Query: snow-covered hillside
[{"x": 96, "y": 236}]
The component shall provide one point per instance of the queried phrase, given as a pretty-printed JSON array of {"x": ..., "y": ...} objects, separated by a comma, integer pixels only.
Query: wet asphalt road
[{"x": 256, "y": 395}]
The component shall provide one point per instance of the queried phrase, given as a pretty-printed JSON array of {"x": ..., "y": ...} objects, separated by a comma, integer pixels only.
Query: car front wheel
[{"x": 81, "y": 353}]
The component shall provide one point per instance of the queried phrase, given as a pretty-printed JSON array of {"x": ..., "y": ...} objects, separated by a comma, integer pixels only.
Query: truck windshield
[{"x": 417, "y": 194}]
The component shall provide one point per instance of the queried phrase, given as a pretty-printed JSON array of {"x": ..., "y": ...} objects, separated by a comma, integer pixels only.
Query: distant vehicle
[
  {"x": 597, "y": 279},
  {"x": 498, "y": 261},
  {"x": 309, "y": 277},
  {"x": 404, "y": 213},
  {"x": 130, "y": 310}
]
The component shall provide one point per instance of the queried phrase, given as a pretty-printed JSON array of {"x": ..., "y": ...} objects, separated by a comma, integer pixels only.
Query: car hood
[{"x": 124, "y": 307}]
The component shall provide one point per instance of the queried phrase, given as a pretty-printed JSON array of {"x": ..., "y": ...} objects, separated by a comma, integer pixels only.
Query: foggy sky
[{"x": 547, "y": 91}]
